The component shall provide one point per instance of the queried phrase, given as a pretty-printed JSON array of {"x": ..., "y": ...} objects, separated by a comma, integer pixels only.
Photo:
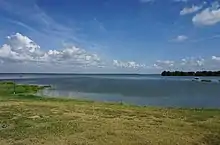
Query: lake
[{"x": 149, "y": 90}]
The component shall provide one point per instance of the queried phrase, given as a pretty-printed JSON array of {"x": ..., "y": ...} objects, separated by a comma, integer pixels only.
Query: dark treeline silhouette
[{"x": 198, "y": 73}]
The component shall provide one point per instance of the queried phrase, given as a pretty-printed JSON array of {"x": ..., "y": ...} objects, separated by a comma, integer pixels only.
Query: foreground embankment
[{"x": 26, "y": 119}]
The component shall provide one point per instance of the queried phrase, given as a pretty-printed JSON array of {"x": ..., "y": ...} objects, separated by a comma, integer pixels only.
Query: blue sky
[{"x": 138, "y": 36}]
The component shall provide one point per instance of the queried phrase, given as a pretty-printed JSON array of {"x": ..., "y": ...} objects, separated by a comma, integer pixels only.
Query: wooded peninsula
[{"x": 197, "y": 73}]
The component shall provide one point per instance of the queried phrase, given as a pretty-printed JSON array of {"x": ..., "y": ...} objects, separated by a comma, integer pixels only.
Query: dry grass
[{"x": 25, "y": 121}]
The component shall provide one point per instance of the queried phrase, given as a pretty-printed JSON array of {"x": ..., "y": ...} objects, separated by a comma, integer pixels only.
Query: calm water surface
[{"x": 152, "y": 90}]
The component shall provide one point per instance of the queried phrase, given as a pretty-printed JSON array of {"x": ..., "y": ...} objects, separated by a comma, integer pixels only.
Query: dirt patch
[{"x": 34, "y": 117}]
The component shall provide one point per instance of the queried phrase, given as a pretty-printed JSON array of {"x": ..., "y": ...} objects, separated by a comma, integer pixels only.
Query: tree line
[{"x": 197, "y": 73}]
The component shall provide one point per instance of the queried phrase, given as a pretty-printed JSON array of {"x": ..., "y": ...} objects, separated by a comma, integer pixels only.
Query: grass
[{"x": 26, "y": 119}]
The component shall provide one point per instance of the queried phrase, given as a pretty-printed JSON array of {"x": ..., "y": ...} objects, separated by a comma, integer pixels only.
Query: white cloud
[
  {"x": 188, "y": 64},
  {"x": 216, "y": 58},
  {"x": 163, "y": 64},
  {"x": 215, "y": 5},
  {"x": 199, "y": 63},
  {"x": 71, "y": 56},
  {"x": 190, "y": 10},
  {"x": 180, "y": 38},
  {"x": 22, "y": 49},
  {"x": 23, "y": 52},
  {"x": 193, "y": 62},
  {"x": 127, "y": 64},
  {"x": 208, "y": 16},
  {"x": 185, "y": 64},
  {"x": 19, "y": 48},
  {"x": 156, "y": 66}
]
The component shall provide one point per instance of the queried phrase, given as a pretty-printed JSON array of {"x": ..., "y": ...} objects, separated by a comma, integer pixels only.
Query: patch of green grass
[
  {"x": 28, "y": 119},
  {"x": 12, "y": 90}
]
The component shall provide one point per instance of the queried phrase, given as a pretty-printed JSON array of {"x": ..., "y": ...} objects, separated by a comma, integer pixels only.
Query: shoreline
[{"x": 29, "y": 119}]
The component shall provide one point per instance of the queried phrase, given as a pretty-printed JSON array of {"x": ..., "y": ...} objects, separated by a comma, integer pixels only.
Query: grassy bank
[{"x": 26, "y": 119}]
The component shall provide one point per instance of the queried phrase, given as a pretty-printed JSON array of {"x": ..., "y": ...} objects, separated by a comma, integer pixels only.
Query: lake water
[{"x": 149, "y": 90}]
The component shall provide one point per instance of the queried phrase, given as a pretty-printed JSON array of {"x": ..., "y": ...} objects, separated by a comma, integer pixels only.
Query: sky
[{"x": 109, "y": 36}]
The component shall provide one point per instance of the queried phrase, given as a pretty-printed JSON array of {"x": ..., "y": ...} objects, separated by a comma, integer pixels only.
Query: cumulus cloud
[
  {"x": 208, "y": 16},
  {"x": 127, "y": 64},
  {"x": 188, "y": 64},
  {"x": 216, "y": 58},
  {"x": 208, "y": 63},
  {"x": 22, "y": 49},
  {"x": 19, "y": 48},
  {"x": 180, "y": 38},
  {"x": 193, "y": 62},
  {"x": 189, "y": 10},
  {"x": 184, "y": 64},
  {"x": 163, "y": 64}
]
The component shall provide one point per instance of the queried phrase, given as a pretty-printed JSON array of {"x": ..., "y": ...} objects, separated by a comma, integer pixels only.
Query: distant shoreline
[{"x": 196, "y": 74}]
